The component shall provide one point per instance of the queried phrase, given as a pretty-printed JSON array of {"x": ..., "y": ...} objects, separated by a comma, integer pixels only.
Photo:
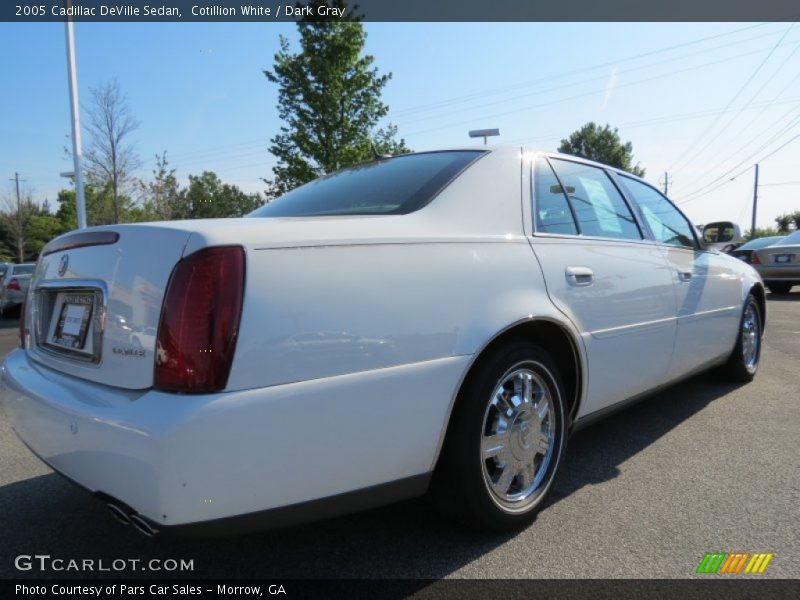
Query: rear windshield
[
  {"x": 397, "y": 185},
  {"x": 790, "y": 239},
  {"x": 760, "y": 243},
  {"x": 23, "y": 269}
]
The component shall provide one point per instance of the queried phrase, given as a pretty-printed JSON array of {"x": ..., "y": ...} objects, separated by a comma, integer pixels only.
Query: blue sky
[{"x": 721, "y": 93}]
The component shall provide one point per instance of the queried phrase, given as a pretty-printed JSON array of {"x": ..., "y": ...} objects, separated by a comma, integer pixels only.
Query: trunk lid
[
  {"x": 780, "y": 256},
  {"x": 93, "y": 307}
]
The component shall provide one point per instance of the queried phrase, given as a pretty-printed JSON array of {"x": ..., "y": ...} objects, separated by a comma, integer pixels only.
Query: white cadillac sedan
[{"x": 436, "y": 321}]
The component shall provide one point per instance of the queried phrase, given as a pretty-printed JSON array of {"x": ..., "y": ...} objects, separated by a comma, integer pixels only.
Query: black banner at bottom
[{"x": 732, "y": 588}]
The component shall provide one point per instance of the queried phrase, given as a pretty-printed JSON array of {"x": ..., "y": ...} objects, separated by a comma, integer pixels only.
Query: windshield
[{"x": 397, "y": 185}]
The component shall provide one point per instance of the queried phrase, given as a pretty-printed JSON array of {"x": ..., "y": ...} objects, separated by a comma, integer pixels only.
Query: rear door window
[
  {"x": 599, "y": 207},
  {"x": 397, "y": 185}
]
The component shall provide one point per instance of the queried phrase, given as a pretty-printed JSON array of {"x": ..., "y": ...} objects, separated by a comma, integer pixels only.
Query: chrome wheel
[
  {"x": 518, "y": 441},
  {"x": 751, "y": 337}
]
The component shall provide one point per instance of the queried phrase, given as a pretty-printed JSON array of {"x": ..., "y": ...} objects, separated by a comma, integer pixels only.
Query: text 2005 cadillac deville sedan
[{"x": 435, "y": 321}]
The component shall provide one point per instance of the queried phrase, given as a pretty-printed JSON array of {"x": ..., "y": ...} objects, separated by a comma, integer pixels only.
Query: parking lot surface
[{"x": 701, "y": 467}]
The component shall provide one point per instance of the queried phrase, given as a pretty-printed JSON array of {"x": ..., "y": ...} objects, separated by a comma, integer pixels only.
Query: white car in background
[{"x": 485, "y": 304}]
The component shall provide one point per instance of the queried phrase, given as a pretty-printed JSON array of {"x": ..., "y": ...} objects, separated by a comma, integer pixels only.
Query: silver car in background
[
  {"x": 779, "y": 265},
  {"x": 14, "y": 285}
]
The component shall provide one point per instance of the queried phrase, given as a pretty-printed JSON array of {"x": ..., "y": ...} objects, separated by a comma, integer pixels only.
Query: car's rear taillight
[
  {"x": 754, "y": 260},
  {"x": 200, "y": 321},
  {"x": 14, "y": 285},
  {"x": 22, "y": 323}
]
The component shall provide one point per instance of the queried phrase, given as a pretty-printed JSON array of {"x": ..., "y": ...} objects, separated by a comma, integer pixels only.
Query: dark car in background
[{"x": 745, "y": 251}]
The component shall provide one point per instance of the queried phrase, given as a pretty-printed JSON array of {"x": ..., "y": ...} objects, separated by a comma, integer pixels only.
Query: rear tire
[
  {"x": 743, "y": 362},
  {"x": 505, "y": 440},
  {"x": 779, "y": 288}
]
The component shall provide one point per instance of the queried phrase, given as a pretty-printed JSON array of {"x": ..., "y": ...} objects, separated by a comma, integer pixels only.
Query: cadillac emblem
[{"x": 62, "y": 266}]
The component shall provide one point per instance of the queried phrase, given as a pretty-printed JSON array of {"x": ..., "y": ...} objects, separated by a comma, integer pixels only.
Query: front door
[{"x": 707, "y": 288}]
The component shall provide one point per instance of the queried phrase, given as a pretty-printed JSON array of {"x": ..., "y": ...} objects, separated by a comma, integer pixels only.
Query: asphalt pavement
[{"x": 703, "y": 466}]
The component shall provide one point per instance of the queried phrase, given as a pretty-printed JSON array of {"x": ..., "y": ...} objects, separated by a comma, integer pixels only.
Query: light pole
[
  {"x": 75, "y": 110},
  {"x": 484, "y": 133}
]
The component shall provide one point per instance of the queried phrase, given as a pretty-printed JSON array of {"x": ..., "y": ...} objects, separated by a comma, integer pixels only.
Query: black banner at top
[{"x": 398, "y": 10}]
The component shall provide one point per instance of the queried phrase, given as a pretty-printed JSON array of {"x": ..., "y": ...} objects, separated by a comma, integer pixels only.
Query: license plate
[
  {"x": 783, "y": 258},
  {"x": 73, "y": 321}
]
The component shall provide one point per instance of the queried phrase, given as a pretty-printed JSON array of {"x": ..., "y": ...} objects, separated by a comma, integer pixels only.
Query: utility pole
[
  {"x": 666, "y": 181},
  {"x": 16, "y": 180},
  {"x": 755, "y": 203},
  {"x": 19, "y": 232},
  {"x": 76, "y": 121}
]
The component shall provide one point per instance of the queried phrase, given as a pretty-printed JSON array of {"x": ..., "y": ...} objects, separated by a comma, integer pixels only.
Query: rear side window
[
  {"x": 600, "y": 209},
  {"x": 553, "y": 214},
  {"x": 666, "y": 222},
  {"x": 23, "y": 270},
  {"x": 397, "y": 185}
]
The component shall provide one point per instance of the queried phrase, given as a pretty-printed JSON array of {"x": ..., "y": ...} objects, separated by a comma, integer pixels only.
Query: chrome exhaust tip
[
  {"x": 119, "y": 513},
  {"x": 142, "y": 526}
]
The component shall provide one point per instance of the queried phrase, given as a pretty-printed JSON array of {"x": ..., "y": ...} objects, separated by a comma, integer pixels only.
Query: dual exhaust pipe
[{"x": 127, "y": 516}]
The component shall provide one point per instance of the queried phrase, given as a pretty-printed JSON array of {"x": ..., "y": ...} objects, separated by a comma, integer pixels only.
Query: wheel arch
[
  {"x": 758, "y": 291},
  {"x": 553, "y": 336}
]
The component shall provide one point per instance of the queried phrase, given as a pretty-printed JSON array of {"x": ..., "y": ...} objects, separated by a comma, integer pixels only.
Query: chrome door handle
[
  {"x": 684, "y": 275},
  {"x": 580, "y": 276}
]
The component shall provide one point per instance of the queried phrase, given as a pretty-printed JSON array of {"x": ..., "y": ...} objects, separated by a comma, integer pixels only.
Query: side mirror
[{"x": 721, "y": 234}]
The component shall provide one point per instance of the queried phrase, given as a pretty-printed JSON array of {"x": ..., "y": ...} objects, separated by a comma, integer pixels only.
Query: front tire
[
  {"x": 505, "y": 440},
  {"x": 743, "y": 362}
]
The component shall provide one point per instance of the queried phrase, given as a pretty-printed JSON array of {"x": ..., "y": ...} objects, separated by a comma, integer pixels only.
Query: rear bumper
[
  {"x": 786, "y": 274},
  {"x": 178, "y": 459}
]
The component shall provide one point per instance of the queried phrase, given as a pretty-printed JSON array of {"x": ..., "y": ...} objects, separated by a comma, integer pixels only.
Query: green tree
[
  {"x": 329, "y": 99},
  {"x": 601, "y": 144},
  {"x": 41, "y": 229},
  {"x": 15, "y": 218},
  {"x": 208, "y": 197},
  {"x": 162, "y": 196},
  {"x": 99, "y": 207},
  {"x": 784, "y": 222},
  {"x": 760, "y": 232}
]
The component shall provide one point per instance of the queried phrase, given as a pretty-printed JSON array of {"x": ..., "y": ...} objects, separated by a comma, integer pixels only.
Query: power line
[
  {"x": 582, "y": 95},
  {"x": 688, "y": 198},
  {"x": 762, "y": 159},
  {"x": 182, "y": 156},
  {"x": 735, "y": 97},
  {"x": 473, "y": 95},
  {"x": 602, "y": 77},
  {"x": 763, "y": 130},
  {"x": 669, "y": 118}
]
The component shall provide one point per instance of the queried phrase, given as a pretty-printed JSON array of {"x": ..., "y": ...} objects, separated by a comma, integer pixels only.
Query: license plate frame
[
  {"x": 783, "y": 259},
  {"x": 69, "y": 321}
]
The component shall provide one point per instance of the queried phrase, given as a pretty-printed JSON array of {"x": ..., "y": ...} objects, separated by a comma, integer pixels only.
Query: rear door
[
  {"x": 605, "y": 276},
  {"x": 707, "y": 287}
]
